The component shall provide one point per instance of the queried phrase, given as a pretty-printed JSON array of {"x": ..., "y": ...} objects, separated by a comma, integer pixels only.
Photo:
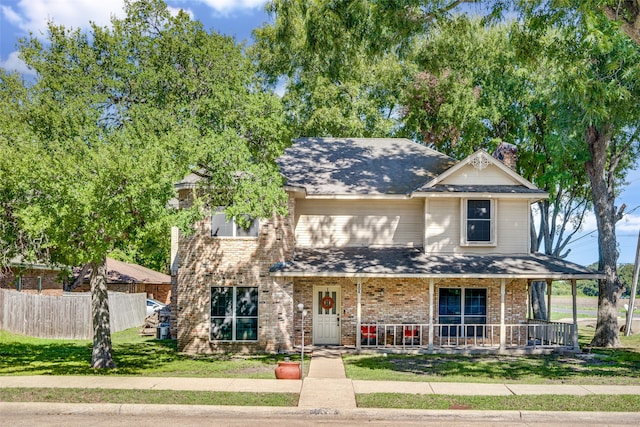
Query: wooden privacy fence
[{"x": 67, "y": 316}]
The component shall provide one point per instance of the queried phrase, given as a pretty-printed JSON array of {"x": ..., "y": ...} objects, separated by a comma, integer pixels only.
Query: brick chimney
[{"x": 507, "y": 153}]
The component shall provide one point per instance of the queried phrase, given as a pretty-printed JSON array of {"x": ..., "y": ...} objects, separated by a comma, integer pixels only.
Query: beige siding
[
  {"x": 344, "y": 223},
  {"x": 513, "y": 226},
  {"x": 443, "y": 219},
  {"x": 443, "y": 225},
  {"x": 469, "y": 175}
]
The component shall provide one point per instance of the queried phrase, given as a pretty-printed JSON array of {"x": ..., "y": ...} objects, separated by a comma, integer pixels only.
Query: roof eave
[
  {"x": 534, "y": 197},
  {"x": 531, "y": 276}
]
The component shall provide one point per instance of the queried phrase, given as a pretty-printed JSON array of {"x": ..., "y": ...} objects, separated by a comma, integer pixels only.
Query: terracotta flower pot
[{"x": 288, "y": 371}]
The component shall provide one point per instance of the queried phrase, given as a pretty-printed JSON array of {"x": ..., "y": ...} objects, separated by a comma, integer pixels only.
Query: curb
[{"x": 589, "y": 418}]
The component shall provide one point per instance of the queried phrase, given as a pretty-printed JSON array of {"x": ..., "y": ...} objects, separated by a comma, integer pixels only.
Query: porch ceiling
[{"x": 413, "y": 262}]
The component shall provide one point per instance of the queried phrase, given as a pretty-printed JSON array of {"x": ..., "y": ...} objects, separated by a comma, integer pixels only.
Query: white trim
[
  {"x": 359, "y": 196},
  {"x": 425, "y": 231},
  {"x": 534, "y": 197},
  {"x": 234, "y": 297},
  {"x": 234, "y": 226},
  {"x": 503, "y": 329},
  {"x": 554, "y": 276},
  {"x": 316, "y": 316},
  {"x": 493, "y": 229},
  {"x": 463, "y": 314},
  {"x": 493, "y": 161},
  {"x": 431, "y": 312}
]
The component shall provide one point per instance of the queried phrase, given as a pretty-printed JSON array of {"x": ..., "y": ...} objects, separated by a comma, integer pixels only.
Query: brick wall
[
  {"x": 50, "y": 283},
  {"x": 401, "y": 301},
  {"x": 206, "y": 261}
]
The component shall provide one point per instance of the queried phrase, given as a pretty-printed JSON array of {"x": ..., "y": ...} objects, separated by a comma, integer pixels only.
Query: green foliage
[
  {"x": 117, "y": 115},
  {"x": 340, "y": 77},
  {"x": 625, "y": 273}
]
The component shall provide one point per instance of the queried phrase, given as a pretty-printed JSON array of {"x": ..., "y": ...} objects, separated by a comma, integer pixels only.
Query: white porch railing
[{"x": 523, "y": 335}]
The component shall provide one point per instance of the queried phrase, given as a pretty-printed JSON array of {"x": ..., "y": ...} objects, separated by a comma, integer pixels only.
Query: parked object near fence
[{"x": 67, "y": 316}]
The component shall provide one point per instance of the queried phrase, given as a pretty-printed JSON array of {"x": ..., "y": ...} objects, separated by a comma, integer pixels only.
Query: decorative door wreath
[{"x": 327, "y": 303}]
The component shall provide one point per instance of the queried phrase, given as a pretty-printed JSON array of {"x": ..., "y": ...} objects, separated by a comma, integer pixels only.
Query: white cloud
[
  {"x": 224, "y": 6},
  {"x": 629, "y": 223},
  {"x": 14, "y": 63},
  {"x": 11, "y": 15},
  {"x": 175, "y": 10},
  {"x": 33, "y": 15}
]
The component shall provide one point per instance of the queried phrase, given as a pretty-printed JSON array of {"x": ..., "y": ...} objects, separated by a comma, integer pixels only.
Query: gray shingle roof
[
  {"x": 413, "y": 262},
  {"x": 361, "y": 165}
]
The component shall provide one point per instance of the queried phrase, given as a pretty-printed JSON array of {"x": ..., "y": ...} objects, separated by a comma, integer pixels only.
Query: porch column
[
  {"x": 549, "y": 291},
  {"x": 431, "y": 314},
  {"x": 529, "y": 299},
  {"x": 503, "y": 328},
  {"x": 359, "y": 314},
  {"x": 574, "y": 292}
]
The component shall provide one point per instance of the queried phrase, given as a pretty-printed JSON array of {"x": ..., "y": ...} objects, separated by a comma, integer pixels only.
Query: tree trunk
[
  {"x": 538, "y": 303},
  {"x": 101, "y": 356},
  {"x": 602, "y": 190}
]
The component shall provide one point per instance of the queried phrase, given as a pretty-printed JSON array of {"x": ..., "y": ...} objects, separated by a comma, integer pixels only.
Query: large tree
[
  {"x": 462, "y": 101},
  {"x": 119, "y": 114}
]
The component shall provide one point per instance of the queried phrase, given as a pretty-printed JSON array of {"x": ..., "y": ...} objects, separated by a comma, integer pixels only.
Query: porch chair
[
  {"x": 410, "y": 335},
  {"x": 368, "y": 335}
]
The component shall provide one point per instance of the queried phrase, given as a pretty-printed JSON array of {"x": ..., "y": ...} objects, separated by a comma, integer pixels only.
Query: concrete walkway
[{"x": 326, "y": 387}]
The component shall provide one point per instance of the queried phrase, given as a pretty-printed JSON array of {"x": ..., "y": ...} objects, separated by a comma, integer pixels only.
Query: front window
[
  {"x": 462, "y": 311},
  {"x": 234, "y": 313},
  {"x": 478, "y": 222},
  {"x": 221, "y": 226}
]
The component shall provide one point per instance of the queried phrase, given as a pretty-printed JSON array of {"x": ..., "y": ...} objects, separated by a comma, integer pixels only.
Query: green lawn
[
  {"x": 163, "y": 397},
  {"x": 598, "y": 403},
  {"x": 601, "y": 366},
  {"x": 134, "y": 355}
]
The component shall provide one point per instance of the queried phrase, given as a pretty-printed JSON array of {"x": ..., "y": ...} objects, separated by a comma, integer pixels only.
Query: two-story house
[{"x": 387, "y": 244}]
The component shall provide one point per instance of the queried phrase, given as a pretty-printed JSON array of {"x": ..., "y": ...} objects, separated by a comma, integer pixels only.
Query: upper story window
[
  {"x": 221, "y": 226},
  {"x": 478, "y": 222}
]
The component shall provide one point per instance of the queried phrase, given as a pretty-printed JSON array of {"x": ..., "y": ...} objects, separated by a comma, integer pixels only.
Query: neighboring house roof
[
  {"x": 122, "y": 272},
  {"x": 189, "y": 181},
  {"x": 361, "y": 165},
  {"x": 413, "y": 262}
]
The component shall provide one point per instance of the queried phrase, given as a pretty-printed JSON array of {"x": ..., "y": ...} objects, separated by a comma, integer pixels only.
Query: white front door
[{"x": 326, "y": 315}]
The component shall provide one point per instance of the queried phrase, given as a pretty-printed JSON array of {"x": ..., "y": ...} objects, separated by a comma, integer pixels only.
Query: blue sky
[{"x": 237, "y": 18}]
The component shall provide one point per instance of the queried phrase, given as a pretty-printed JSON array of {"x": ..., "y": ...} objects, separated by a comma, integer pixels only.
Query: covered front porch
[
  {"x": 532, "y": 334},
  {"x": 402, "y": 299}
]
